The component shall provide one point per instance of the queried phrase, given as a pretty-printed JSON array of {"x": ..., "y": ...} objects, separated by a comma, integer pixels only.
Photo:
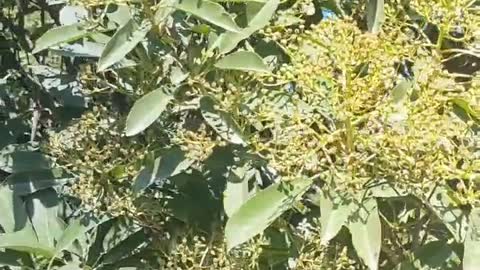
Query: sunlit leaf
[
  {"x": 42, "y": 208},
  {"x": 14, "y": 215},
  {"x": 25, "y": 240},
  {"x": 375, "y": 15},
  {"x": 60, "y": 35},
  {"x": 146, "y": 110},
  {"x": 244, "y": 61},
  {"x": 366, "y": 231},
  {"x": 123, "y": 41},
  {"x": 235, "y": 194},
  {"x": 334, "y": 212},
  {"x": 229, "y": 40},
  {"x": 209, "y": 11},
  {"x": 261, "y": 210},
  {"x": 471, "y": 254}
]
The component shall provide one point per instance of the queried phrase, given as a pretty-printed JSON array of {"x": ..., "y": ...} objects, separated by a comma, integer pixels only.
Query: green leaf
[
  {"x": 229, "y": 40},
  {"x": 375, "y": 15},
  {"x": 453, "y": 217},
  {"x": 165, "y": 9},
  {"x": 146, "y": 110},
  {"x": 42, "y": 208},
  {"x": 75, "y": 229},
  {"x": 14, "y": 215},
  {"x": 24, "y": 183},
  {"x": 244, "y": 61},
  {"x": 400, "y": 91},
  {"x": 126, "y": 247},
  {"x": 15, "y": 258},
  {"x": 220, "y": 121},
  {"x": 366, "y": 231},
  {"x": 209, "y": 11},
  {"x": 23, "y": 161},
  {"x": 435, "y": 255},
  {"x": 471, "y": 254},
  {"x": 234, "y": 196},
  {"x": 170, "y": 163},
  {"x": 261, "y": 210},
  {"x": 123, "y": 41},
  {"x": 466, "y": 108},
  {"x": 334, "y": 212},
  {"x": 25, "y": 240},
  {"x": 60, "y": 35}
]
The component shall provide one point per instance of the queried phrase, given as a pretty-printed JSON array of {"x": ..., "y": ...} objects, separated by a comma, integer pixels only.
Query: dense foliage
[{"x": 242, "y": 134}]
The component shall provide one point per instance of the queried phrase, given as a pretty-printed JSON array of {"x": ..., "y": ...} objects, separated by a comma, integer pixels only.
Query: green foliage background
[{"x": 244, "y": 134}]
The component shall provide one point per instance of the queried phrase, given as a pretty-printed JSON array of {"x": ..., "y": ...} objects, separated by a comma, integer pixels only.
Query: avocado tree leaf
[
  {"x": 14, "y": 216},
  {"x": 400, "y": 91},
  {"x": 58, "y": 35},
  {"x": 146, "y": 110},
  {"x": 25, "y": 240},
  {"x": 469, "y": 113},
  {"x": 229, "y": 40},
  {"x": 237, "y": 192},
  {"x": 171, "y": 162},
  {"x": 220, "y": 121},
  {"x": 261, "y": 210},
  {"x": 24, "y": 183},
  {"x": 366, "y": 231},
  {"x": 75, "y": 230},
  {"x": 22, "y": 161},
  {"x": 471, "y": 254},
  {"x": 209, "y": 11},
  {"x": 334, "y": 213},
  {"x": 126, "y": 247},
  {"x": 122, "y": 42},
  {"x": 42, "y": 208},
  {"x": 452, "y": 216},
  {"x": 16, "y": 259},
  {"x": 375, "y": 15},
  {"x": 244, "y": 61}
]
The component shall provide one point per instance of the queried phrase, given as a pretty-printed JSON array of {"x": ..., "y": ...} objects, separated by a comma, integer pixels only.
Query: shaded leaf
[
  {"x": 435, "y": 255},
  {"x": 471, "y": 255},
  {"x": 23, "y": 161},
  {"x": 170, "y": 163},
  {"x": 146, "y": 110},
  {"x": 375, "y": 15},
  {"x": 123, "y": 41},
  {"x": 220, "y": 121},
  {"x": 24, "y": 183},
  {"x": 15, "y": 258},
  {"x": 209, "y": 11},
  {"x": 334, "y": 212},
  {"x": 244, "y": 61},
  {"x": 261, "y": 210},
  {"x": 60, "y": 35},
  {"x": 366, "y": 231},
  {"x": 126, "y": 247}
]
